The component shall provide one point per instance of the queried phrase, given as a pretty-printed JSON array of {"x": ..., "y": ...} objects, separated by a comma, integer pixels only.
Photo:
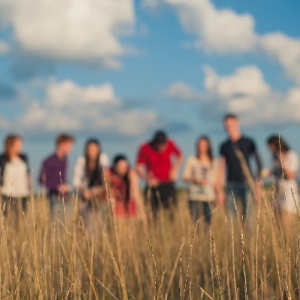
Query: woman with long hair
[
  {"x": 200, "y": 174},
  {"x": 124, "y": 188},
  {"x": 88, "y": 177},
  {"x": 14, "y": 175},
  {"x": 284, "y": 171}
]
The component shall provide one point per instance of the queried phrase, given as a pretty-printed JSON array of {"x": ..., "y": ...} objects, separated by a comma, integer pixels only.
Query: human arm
[
  {"x": 141, "y": 168},
  {"x": 178, "y": 157},
  {"x": 135, "y": 194},
  {"x": 220, "y": 182},
  {"x": 258, "y": 164},
  {"x": 78, "y": 173}
]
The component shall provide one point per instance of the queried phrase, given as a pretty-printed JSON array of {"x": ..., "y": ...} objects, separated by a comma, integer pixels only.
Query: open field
[{"x": 119, "y": 259}]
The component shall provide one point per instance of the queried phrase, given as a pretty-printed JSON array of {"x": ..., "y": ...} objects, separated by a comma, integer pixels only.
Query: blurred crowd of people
[{"x": 225, "y": 180}]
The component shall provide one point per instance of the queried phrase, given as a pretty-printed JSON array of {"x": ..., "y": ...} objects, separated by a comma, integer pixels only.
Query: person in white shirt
[
  {"x": 200, "y": 173},
  {"x": 88, "y": 177},
  {"x": 284, "y": 171},
  {"x": 14, "y": 175}
]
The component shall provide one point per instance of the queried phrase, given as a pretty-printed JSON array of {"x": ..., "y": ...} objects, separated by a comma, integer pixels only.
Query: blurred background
[{"x": 118, "y": 70}]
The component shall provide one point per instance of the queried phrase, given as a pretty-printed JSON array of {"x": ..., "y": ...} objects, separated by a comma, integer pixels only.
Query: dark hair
[
  {"x": 209, "y": 150},
  {"x": 278, "y": 143},
  {"x": 125, "y": 178},
  {"x": 62, "y": 138},
  {"x": 159, "y": 138},
  {"x": 8, "y": 144},
  {"x": 94, "y": 174},
  {"x": 230, "y": 116}
]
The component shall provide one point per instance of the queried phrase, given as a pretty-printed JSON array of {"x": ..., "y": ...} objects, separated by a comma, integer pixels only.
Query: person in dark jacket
[{"x": 14, "y": 175}]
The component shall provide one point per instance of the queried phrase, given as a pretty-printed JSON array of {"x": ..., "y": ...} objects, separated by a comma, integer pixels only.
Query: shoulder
[
  {"x": 248, "y": 140},
  {"x": 145, "y": 148},
  {"x": 225, "y": 144},
  {"x": 23, "y": 156},
  {"x": 172, "y": 143},
  {"x": 191, "y": 159},
  {"x": 2, "y": 157},
  {"x": 292, "y": 155},
  {"x": 80, "y": 160},
  {"x": 49, "y": 158}
]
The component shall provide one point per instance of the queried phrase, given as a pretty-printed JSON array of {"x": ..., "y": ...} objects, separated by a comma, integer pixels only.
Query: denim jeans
[
  {"x": 162, "y": 196},
  {"x": 239, "y": 193},
  {"x": 197, "y": 207},
  {"x": 60, "y": 208}
]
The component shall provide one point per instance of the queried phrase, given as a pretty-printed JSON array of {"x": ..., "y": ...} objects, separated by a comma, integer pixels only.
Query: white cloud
[
  {"x": 4, "y": 47},
  {"x": 246, "y": 81},
  {"x": 247, "y": 94},
  {"x": 73, "y": 30},
  {"x": 285, "y": 50},
  {"x": 69, "y": 107},
  {"x": 218, "y": 30},
  {"x": 225, "y": 31},
  {"x": 181, "y": 90}
]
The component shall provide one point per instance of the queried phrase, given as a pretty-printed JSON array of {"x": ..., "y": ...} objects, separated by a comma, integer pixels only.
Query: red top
[{"x": 158, "y": 163}]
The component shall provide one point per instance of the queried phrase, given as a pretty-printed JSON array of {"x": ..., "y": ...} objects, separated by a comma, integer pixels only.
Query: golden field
[{"x": 109, "y": 258}]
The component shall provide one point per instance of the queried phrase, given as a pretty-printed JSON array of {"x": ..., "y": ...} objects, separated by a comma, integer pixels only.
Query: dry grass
[{"x": 126, "y": 259}]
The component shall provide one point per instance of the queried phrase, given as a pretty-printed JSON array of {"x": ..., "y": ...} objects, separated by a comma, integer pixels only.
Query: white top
[
  {"x": 199, "y": 170},
  {"x": 79, "y": 179},
  {"x": 284, "y": 186},
  {"x": 15, "y": 179},
  {"x": 290, "y": 161}
]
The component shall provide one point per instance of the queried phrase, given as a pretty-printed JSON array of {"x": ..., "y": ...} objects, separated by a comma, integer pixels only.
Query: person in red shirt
[{"x": 157, "y": 164}]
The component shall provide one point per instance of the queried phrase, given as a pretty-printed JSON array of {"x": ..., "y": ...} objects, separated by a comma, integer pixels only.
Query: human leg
[{"x": 194, "y": 208}]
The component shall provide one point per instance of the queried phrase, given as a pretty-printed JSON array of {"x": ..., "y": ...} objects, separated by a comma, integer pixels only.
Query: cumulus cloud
[
  {"x": 225, "y": 31},
  {"x": 181, "y": 90},
  {"x": 246, "y": 93},
  {"x": 70, "y": 107},
  {"x": 84, "y": 31},
  {"x": 217, "y": 30},
  {"x": 246, "y": 81},
  {"x": 285, "y": 50}
]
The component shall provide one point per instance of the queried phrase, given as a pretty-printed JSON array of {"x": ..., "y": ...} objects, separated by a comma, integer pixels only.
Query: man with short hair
[
  {"x": 157, "y": 164},
  {"x": 235, "y": 156},
  {"x": 53, "y": 173}
]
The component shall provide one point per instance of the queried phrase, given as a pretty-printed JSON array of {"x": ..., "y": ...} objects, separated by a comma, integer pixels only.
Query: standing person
[
  {"x": 88, "y": 176},
  {"x": 235, "y": 156},
  {"x": 200, "y": 172},
  {"x": 53, "y": 173},
  {"x": 14, "y": 175},
  {"x": 124, "y": 188},
  {"x": 158, "y": 162},
  {"x": 285, "y": 167}
]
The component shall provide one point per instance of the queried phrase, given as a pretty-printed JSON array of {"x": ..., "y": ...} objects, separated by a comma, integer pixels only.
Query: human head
[
  {"x": 232, "y": 125},
  {"x": 203, "y": 146},
  {"x": 277, "y": 144},
  {"x": 92, "y": 149},
  {"x": 13, "y": 146},
  {"x": 121, "y": 165},
  {"x": 159, "y": 140},
  {"x": 64, "y": 143}
]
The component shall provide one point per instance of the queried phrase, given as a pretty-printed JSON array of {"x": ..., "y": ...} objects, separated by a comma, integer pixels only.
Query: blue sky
[{"x": 118, "y": 70}]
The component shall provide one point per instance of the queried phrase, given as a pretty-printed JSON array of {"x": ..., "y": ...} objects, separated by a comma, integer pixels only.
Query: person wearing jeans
[
  {"x": 53, "y": 174},
  {"x": 236, "y": 154},
  {"x": 200, "y": 174}
]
